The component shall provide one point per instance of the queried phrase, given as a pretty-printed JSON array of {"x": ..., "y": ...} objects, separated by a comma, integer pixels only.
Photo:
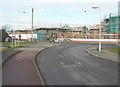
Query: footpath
[
  {"x": 104, "y": 54},
  {"x": 20, "y": 68},
  {"x": 8, "y": 53}
]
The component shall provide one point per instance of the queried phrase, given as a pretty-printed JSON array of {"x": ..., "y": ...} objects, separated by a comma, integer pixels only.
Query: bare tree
[
  {"x": 6, "y": 27},
  {"x": 3, "y": 33}
]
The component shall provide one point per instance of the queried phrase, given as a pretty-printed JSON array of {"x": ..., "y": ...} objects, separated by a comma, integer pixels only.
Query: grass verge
[
  {"x": 114, "y": 50},
  {"x": 9, "y": 46}
]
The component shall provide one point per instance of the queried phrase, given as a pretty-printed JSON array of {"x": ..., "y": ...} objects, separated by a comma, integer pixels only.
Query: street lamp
[
  {"x": 18, "y": 24},
  {"x": 32, "y": 25},
  {"x": 117, "y": 28},
  {"x": 99, "y": 29},
  {"x": 86, "y": 24}
]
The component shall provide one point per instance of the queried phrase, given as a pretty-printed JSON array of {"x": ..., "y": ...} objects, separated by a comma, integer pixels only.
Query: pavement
[
  {"x": 6, "y": 54},
  {"x": 20, "y": 68},
  {"x": 104, "y": 54}
]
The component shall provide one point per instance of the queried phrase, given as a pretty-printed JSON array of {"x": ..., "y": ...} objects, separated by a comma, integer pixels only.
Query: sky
[{"x": 52, "y": 13}]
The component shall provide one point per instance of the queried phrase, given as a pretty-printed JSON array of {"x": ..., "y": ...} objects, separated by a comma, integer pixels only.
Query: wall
[{"x": 25, "y": 36}]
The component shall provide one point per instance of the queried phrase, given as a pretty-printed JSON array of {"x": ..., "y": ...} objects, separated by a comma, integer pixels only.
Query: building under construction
[{"x": 114, "y": 23}]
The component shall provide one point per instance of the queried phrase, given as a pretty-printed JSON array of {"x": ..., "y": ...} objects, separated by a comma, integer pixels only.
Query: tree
[
  {"x": 7, "y": 27},
  {"x": 3, "y": 33}
]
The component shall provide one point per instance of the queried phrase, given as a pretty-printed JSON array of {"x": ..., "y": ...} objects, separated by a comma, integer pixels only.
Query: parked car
[{"x": 56, "y": 40}]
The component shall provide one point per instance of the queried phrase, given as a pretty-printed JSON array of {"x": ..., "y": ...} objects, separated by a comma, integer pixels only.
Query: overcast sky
[{"x": 53, "y": 12}]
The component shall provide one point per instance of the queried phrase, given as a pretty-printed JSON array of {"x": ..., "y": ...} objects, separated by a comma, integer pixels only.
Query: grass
[
  {"x": 3, "y": 49},
  {"x": 9, "y": 45},
  {"x": 28, "y": 42},
  {"x": 21, "y": 43},
  {"x": 6, "y": 43},
  {"x": 114, "y": 50},
  {"x": 9, "y": 48}
]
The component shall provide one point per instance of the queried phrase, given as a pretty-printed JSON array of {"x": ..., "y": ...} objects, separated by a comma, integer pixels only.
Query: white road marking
[
  {"x": 71, "y": 66},
  {"x": 62, "y": 63},
  {"x": 79, "y": 63}
]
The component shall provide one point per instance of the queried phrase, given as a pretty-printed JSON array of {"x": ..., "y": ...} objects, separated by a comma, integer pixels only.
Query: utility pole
[
  {"x": 86, "y": 24},
  {"x": 32, "y": 26},
  {"x": 100, "y": 43},
  {"x": 18, "y": 26}
]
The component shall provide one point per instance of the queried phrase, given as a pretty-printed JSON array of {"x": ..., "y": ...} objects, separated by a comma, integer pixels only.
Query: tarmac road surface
[{"x": 70, "y": 64}]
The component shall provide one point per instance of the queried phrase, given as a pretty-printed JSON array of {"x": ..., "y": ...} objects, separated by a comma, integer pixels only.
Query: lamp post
[
  {"x": 86, "y": 24},
  {"x": 99, "y": 29},
  {"x": 18, "y": 25},
  {"x": 117, "y": 28},
  {"x": 32, "y": 26}
]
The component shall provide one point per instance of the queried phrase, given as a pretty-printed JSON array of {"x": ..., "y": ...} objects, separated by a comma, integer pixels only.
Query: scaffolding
[{"x": 114, "y": 23}]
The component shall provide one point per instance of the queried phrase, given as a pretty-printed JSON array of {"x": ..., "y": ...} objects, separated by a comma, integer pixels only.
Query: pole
[
  {"x": 86, "y": 23},
  {"x": 117, "y": 28},
  {"x": 32, "y": 26},
  {"x": 100, "y": 43},
  {"x": 18, "y": 28},
  {"x": 12, "y": 37}
]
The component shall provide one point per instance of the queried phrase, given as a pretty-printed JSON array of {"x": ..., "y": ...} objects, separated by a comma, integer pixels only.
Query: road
[{"x": 70, "y": 64}]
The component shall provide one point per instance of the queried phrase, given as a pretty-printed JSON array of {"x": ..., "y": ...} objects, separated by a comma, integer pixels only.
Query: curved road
[{"x": 70, "y": 64}]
